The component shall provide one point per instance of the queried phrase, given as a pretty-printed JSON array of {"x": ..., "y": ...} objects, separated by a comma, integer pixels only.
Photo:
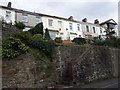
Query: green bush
[
  {"x": 79, "y": 41},
  {"x": 98, "y": 41},
  {"x": 38, "y": 29},
  {"x": 58, "y": 40},
  {"x": 20, "y": 25},
  {"x": 37, "y": 36},
  {"x": 13, "y": 47},
  {"x": 111, "y": 42},
  {"x": 24, "y": 36},
  {"x": 46, "y": 46},
  {"x": 47, "y": 35}
]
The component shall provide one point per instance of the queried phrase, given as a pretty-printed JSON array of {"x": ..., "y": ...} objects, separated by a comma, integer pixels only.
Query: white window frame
[
  {"x": 78, "y": 27},
  {"x": 101, "y": 31},
  {"x": 60, "y": 24},
  {"x": 38, "y": 19},
  {"x": 8, "y": 15},
  {"x": 71, "y": 26},
  {"x": 50, "y": 22},
  {"x": 24, "y": 18}
]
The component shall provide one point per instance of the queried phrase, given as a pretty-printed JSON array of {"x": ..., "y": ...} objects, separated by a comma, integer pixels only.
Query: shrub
[
  {"x": 19, "y": 25},
  {"x": 47, "y": 35},
  {"x": 79, "y": 41},
  {"x": 98, "y": 41},
  {"x": 45, "y": 46},
  {"x": 38, "y": 29},
  {"x": 112, "y": 42},
  {"x": 58, "y": 40},
  {"x": 37, "y": 36},
  {"x": 24, "y": 36},
  {"x": 13, "y": 47}
]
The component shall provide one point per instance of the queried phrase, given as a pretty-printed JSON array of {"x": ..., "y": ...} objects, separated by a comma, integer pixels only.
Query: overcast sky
[{"x": 79, "y": 9}]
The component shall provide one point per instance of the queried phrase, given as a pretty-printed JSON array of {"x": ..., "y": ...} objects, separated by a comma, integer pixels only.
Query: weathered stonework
[
  {"x": 99, "y": 63},
  {"x": 26, "y": 71}
]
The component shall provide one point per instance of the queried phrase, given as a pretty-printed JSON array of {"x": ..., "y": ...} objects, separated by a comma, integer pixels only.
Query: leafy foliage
[
  {"x": 13, "y": 47},
  {"x": 24, "y": 36},
  {"x": 38, "y": 29},
  {"x": 47, "y": 35},
  {"x": 112, "y": 42},
  {"x": 19, "y": 25},
  {"x": 79, "y": 41},
  {"x": 58, "y": 40},
  {"x": 46, "y": 46}
]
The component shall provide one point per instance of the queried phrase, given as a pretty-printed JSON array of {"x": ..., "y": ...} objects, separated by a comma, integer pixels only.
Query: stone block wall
[{"x": 99, "y": 63}]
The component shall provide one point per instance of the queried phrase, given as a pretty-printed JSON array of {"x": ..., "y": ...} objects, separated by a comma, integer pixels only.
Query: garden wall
[{"x": 98, "y": 63}]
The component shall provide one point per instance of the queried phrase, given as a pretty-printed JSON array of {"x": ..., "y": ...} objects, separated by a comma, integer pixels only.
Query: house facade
[{"x": 66, "y": 28}]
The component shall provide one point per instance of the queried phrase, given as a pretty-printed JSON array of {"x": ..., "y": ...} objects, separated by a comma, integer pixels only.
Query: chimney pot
[
  {"x": 9, "y": 4},
  {"x": 96, "y": 21},
  {"x": 84, "y": 20},
  {"x": 70, "y": 18}
]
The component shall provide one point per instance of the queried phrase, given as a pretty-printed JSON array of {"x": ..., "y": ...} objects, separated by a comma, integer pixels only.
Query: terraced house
[{"x": 67, "y": 28}]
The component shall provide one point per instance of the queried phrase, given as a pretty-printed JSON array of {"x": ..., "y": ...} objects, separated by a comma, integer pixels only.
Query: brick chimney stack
[
  {"x": 96, "y": 21},
  {"x": 9, "y": 4},
  {"x": 84, "y": 20},
  {"x": 70, "y": 18}
]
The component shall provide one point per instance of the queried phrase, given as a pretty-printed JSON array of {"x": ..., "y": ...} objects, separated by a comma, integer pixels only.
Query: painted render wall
[{"x": 3, "y": 14}]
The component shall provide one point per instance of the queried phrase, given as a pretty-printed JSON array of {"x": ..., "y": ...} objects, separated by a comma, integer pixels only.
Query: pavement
[{"x": 111, "y": 83}]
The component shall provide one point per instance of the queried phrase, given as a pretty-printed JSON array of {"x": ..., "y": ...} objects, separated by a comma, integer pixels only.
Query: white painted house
[{"x": 66, "y": 28}]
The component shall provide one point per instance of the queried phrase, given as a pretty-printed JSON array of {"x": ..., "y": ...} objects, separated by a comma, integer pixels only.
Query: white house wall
[{"x": 3, "y": 14}]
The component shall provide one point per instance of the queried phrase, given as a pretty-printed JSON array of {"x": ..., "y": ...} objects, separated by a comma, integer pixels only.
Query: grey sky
[{"x": 92, "y": 10}]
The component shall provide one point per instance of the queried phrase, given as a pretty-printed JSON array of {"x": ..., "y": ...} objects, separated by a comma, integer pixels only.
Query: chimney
[
  {"x": 84, "y": 20},
  {"x": 96, "y": 21},
  {"x": 9, "y": 4},
  {"x": 70, "y": 18}
]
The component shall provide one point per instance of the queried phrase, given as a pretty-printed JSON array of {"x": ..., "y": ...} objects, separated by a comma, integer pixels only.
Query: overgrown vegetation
[
  {"x": 47, "y": 35},
  {"x": 20, "y": 25},
  {"x": 58, "y": 40},
  {"x": 24, "y": 36},
  {"x": 46, "y": 46},
  {"x": 79, "y": 41},
  {"x": 38, "y": 29},
  {"x": 111, "y": 42},
  {"x": 13, "y": 47}
]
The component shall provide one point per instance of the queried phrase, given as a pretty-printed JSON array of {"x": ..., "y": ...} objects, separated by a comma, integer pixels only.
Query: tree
[
  {"x": 47, "y": 35},
  {"x": 38, "y": 29},
  {"x": 19, "y": 25}
]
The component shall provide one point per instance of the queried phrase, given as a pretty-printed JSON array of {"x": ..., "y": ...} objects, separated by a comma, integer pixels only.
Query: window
[
  {"x": 53, "y": 35},
  {"x": 24, "y": 18},
  {"x": 87, "y": 28},
  {"x": 50, "y": 22},
  {"x": 8, "y": 15},
  {"x": 38, "y": 19},
  {"x": 100, "y": 30},
  {"x": 78, "y": 27},
  {"x": 94, "y": 29},
  {"x": 59, "y": 24},
  {"x": 70, "y": 24}
]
